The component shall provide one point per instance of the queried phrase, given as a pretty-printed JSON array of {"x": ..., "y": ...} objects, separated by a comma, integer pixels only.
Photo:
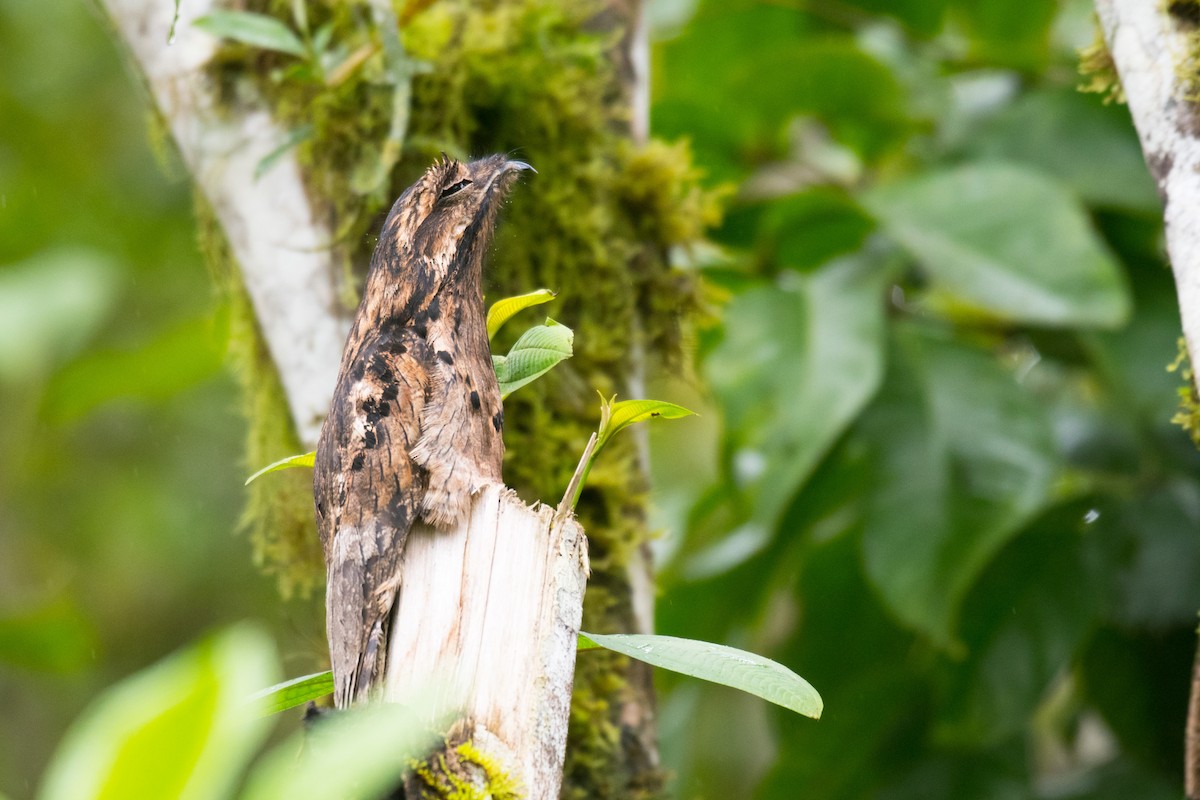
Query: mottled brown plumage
[{"x": 414, "y": 428}]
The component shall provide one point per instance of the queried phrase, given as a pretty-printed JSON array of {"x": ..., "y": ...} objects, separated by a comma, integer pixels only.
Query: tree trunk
[{"x": 1155, "y": 55}]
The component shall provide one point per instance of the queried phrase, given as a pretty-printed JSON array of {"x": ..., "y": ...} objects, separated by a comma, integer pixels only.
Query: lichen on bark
[{"x": 534, "y": 78}]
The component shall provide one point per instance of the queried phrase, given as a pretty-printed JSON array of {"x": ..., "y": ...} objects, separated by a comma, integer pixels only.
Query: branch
[
  {"x": 283, "y": 250},
  {"x": 1150, "y": 49}
]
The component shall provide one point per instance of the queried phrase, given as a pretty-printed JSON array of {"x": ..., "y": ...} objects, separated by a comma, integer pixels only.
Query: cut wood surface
[
  {"x": 488, "y": 614},
  {"x": 281, "y": 246}
]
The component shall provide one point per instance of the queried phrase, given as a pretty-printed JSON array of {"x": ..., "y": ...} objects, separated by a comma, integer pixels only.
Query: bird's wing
[{"x": 368, "y": 491}]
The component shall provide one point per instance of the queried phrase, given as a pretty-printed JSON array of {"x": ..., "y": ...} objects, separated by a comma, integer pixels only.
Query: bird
[{"x": 414, "y": 429}]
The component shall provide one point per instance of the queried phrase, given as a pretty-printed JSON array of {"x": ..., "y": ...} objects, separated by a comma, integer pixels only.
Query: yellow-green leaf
[
  {"x": 504, "y": 310},
  {"x": 181, "y": 728},
  {"x": 302, "y": 460},
  {"x": 618, "y": 416}
]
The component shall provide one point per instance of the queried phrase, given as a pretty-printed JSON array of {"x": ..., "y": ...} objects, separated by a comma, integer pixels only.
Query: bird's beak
[{"x": 518, "y": 166}]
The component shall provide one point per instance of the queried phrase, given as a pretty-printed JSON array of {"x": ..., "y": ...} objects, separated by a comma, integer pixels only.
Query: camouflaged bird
[{"x": 414, "y": 430}]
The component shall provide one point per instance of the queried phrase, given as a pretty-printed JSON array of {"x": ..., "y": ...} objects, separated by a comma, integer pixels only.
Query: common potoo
[{"x": 414, "y": 430}]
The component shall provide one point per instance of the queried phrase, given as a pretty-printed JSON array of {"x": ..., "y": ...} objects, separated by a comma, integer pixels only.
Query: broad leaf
[
  {"x": 1006, "y": 33},
  {"x": 257, "y": 30},
  {"x": 537, "y": 352},
  {"x": 1066, "y": 134},
  {"x": 291, "y": 462},
  {"x": 502, "y": 311},
  {"x": 181, "y": 728},
  {"x": 745, "y": 71},
  {"x": 964, "y": 460},
  {"x": 359, "y": 754},
  {"x": 798, "y": 363},
  {"x": 1023, "y": 623},
  {"x": 717, "y": 663},
  {"x": 923, "y": 17},
  {"x": 295, "y": 692},
  {"x": 1004, "y": 241}
]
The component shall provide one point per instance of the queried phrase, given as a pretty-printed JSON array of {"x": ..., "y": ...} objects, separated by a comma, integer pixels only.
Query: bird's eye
[{"x": 455, "y": 188}]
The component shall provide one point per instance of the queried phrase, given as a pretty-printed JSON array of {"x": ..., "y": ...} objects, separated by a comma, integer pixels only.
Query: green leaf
[
  {"x": 964, "y": 460},
  {"x": 616, "y": 417},
  {"x": 1006, "y": 33},
  {"x": 301, "y": 133},
  {"x": 799, "y": 361},
  {"x": 1006, "y": 241},
  {"x": 55, "y": 637},
  {"x": 1023, "y": 623},
  {"x": 717, "y": 663},
  {"x": 256, "y": 30},
  {"x": 1064, "y": 133},
  {"x": 923, "y": 17},
  {"x": 745, "y": 71},
  {"x": 358, "y": 754},
  {"x": 295, "y": 692},
  {"x": 302, "y": 460},
  {"x": 504, "y": 310},
  {"x": 181, "y": 728},
  {"x": 537, "y": 352}
]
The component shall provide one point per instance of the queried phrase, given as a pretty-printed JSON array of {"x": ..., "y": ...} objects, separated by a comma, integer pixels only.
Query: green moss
[
  {"x": 1099, "y": 72},
  {"x": 598, "y": 224},
  {"x": 1188, "y": 416},
  {"x": 442, "y": 776}
]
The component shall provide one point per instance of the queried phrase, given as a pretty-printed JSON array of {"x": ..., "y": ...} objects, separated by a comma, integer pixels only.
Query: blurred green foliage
[
  {"x": 184, "y": 728},
  {"x": 934, "y": 471},
  {"x": 942, "y": 483},
  {"x": 121, "y": 434}
]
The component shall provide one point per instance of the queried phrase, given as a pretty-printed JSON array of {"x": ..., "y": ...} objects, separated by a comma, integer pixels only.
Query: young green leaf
[
  {"x": 717, "y": 663},
  {"x": 503, "y": 310},
  {"x": 537, "y": 352},
  {"x": 295, "y": 692},
  {"x": 358, "y": 754},
  {"x": 257, "y": 30},
  {"x": 302, "y": 460},
  {"x": 181, "y": 728},
  {"x": 615, "y": 417}
]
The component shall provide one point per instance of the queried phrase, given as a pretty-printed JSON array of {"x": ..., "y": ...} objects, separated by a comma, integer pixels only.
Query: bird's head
[{"x": 445, "y": 219}]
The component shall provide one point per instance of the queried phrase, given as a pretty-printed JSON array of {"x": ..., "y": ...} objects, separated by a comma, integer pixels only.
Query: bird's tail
[{"x": 360, "y": 595}]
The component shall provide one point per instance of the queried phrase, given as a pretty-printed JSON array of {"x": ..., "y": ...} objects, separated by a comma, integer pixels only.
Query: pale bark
[
  {"x": 488, "y": 614},
  {"x": 1150, "y": 49},
  {"x": 1153, "y": 52},
  {"x": 280, "y": 244}
]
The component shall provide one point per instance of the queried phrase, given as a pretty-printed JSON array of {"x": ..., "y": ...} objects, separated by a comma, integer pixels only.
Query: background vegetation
[{"x": 935, "y": 472}]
